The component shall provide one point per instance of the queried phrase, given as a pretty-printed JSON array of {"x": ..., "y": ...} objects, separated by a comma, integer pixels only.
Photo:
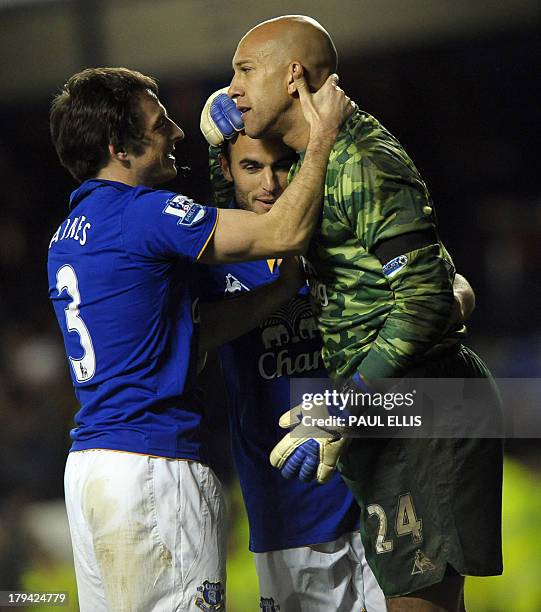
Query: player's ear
[
  {"x": 118, "y": 153},
  {"x": 291, "y": 85},
  {"x": 224, "y": 165}
]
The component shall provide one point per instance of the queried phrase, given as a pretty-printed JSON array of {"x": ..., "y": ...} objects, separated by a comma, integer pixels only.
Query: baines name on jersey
[{"x": 74, "y": 229}]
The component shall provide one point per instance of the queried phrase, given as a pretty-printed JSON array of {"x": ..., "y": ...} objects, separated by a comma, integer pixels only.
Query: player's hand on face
[{"x": 328, "y": 108}]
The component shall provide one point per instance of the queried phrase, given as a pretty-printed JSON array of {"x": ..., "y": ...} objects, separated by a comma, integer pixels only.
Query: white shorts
[
  {"x": 319, "y": 578},
  {"x": 148, "y": 533}
]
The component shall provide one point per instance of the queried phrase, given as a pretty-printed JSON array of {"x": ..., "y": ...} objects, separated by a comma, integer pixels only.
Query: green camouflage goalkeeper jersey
[
  {"x": 380, "y": 325},
  {"x": 222, "y": 189}
]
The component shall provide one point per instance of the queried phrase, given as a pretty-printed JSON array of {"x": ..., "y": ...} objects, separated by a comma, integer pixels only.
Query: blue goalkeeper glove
[
  {"x": 311, "y": 451},
  {"x": 220, "y": 118},
  {"x": 307, "y": 451}
]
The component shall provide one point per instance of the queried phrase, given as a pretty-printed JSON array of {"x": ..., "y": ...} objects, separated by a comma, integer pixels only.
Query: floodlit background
[{"x": 457, "y": 81}]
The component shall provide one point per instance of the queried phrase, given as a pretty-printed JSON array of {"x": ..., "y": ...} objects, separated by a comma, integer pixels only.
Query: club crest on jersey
[
  {"x": 266, "y": 604},
  {"x": 394, "y": 266},
  {"x": 186, "y": 210},
  {"x": 210, "y": 596}
]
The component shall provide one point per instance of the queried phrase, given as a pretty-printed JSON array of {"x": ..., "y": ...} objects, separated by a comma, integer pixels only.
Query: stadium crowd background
[{"x": 463, "y": 99}]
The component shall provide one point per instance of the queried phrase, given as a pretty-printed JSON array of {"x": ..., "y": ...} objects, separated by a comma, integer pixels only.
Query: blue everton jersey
[
  {"x": 257, "y": 367},
  {"x": 119, "y": 269}
]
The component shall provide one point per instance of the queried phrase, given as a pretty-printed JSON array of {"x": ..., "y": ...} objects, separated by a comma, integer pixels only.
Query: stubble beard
[{"x": 274, "y": 128}]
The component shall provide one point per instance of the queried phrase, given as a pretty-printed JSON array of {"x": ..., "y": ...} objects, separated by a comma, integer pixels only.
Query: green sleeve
[
  {"x": 222, "y": 190},
  {"x": 384, "y": 197},
  {"x": 419, "y": 317},
  {"x": 388, "y": 199}
]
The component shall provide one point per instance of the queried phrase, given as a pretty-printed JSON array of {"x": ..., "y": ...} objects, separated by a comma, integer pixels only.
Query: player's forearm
[
  {"x": 294, "y": 216},
  {"x": 419, "y": 317},
  {"x": 286, "y": 229},
  {"x": 464, "y": 299},
  {"x": 406, "y": 337},
  {"x": 225, "y": 320}
]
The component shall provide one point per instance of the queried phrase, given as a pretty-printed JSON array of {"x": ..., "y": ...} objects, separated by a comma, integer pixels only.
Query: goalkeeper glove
[
  {"x": 220, "y": 118},
  {"x": 307, "y": 451},
  {"x": 313, "y": 450}
]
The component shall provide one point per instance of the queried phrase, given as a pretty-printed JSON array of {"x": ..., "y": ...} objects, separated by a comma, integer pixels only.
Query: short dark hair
[
  {"x": 225, "y": 149},
  {"x": 95, "y": 108}
]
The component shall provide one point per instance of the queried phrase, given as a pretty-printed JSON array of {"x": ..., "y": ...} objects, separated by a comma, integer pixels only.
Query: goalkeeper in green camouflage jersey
[{"x": 382, "y": 287}]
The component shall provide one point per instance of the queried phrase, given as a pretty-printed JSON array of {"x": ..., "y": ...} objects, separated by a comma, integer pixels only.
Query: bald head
[
  {"x": 264, "y": 85},
  {"x": 296, "y": 38}
]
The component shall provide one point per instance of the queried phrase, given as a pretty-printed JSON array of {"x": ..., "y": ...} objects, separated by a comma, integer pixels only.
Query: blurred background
[{"x": 458, "y": 82}]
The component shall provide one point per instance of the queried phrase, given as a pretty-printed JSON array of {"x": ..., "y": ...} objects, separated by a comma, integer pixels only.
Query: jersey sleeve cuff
[
  {"x": 210, "y": 234},
  {"x": 374, "y": 366}
]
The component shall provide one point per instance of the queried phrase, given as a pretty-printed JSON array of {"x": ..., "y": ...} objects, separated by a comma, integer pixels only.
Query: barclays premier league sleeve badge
[
  {"x": 186, "y": 210},
  {"x": 394, "y": 266}
]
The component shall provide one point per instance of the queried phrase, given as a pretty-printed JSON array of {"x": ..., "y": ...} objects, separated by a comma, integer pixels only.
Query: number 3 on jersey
[{"x": 85, "y": 367}]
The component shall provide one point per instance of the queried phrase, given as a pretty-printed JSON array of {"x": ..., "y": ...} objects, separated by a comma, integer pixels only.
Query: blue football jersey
[
  {"x": 257, "y": 368},
  {"x": 119, "y": 268}
]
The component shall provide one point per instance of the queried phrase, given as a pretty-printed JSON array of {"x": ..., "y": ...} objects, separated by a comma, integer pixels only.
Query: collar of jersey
[
  {"x": 89, "y": 186},
  {"x": 270, "y": 262}
]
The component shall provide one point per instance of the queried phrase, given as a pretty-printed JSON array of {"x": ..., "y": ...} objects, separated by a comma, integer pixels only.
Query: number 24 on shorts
[{"x": 406, "y": 523}]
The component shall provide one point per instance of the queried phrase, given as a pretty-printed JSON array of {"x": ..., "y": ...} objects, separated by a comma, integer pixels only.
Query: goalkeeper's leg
[{"x": 431, "y": 507}]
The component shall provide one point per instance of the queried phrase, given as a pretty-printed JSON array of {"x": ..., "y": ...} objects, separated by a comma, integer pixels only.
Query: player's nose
[
  {"x": 234, "y": 90},
  {"x": 178, "y": 133},
  {"x": 269, "y": 181}
]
